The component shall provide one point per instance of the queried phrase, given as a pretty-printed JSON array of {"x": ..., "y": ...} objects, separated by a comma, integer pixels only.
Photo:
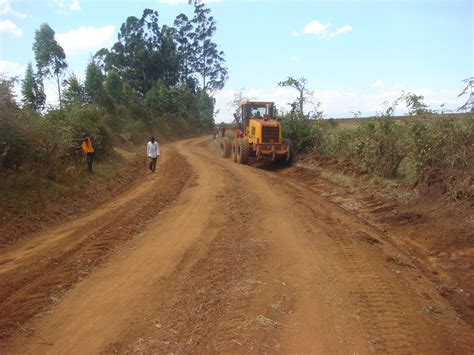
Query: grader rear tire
[{"x": 244, "y": 151}]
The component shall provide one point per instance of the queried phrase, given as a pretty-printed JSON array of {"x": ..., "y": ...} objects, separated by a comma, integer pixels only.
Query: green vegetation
[
  {"x": 156, "y": 79},
  {"x": 395, "y": 148},
  {"x": 387, "y": 146}
]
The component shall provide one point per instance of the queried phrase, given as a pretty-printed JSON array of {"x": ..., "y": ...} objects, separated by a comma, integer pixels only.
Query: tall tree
[
  {"x": 49, "y": 55},
  {"x": 94, "y": 83},
  {"x": 184, "y": 38},
  {"x": 74, "y": 93},
  {"x": 32, "y": 90},
  {"x": 209, "y": 62},
  {"x": 168, "y": 58},
  {"x": 134, "y": 56},
  {"x": 303, "y": 93}
]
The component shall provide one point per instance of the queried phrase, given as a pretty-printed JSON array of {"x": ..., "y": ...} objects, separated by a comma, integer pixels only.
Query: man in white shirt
[{"x": 153, "y": 152}]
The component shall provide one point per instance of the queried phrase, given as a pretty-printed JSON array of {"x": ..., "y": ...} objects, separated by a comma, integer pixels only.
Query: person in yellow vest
[{"x": 88, "y": 150}]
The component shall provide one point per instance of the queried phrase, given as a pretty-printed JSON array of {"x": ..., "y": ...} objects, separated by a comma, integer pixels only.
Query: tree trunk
[{"x": 59, "y": 91}]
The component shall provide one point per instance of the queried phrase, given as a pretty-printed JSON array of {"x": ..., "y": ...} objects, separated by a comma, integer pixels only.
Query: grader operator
[{"x": 260, "y": 135}]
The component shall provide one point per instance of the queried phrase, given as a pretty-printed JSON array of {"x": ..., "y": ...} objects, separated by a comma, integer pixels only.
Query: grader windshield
[{"x": 257, "y": 110}]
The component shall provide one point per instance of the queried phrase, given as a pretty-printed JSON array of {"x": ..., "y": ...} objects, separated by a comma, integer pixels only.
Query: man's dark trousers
[
  {"x": 89, "y": 160},
  {"x": 153, "y": 164}
]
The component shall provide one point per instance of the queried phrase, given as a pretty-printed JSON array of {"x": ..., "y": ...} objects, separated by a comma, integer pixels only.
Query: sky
[{"x": 355, "y": 55}]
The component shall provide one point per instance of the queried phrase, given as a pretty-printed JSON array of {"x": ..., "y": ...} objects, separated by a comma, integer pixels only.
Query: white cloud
[
  {"x": 10, "y": 27},
  {"x": 86, "y": 39},
  {"x": 11, "y": 69},
  {"x": 342, "y": 30},
  {"x": 377, "y": 83},
  {"x": 75, "y": 6},
  {"x": 6, "y": 9},
  {"x": 71, "y": 5},
  {"x": 321, "y": 30},
  {"x": 316, "y": 28}
]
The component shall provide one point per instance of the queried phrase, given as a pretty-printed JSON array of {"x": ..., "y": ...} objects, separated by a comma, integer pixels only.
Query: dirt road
[{"x": 211, "y": 256}]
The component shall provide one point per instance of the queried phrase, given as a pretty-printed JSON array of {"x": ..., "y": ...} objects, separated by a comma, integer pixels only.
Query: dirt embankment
[{"x": 240, "y": 260}]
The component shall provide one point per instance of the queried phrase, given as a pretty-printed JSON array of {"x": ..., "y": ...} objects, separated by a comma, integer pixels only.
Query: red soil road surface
[{"x": 211, "y": 256}]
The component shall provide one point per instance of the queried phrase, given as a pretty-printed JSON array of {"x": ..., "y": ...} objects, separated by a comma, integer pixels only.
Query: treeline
[{"x": 154, "y": 80}]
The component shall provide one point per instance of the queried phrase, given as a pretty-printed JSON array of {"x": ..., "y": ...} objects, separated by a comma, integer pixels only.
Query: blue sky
[{"x": 355, "y": 54}]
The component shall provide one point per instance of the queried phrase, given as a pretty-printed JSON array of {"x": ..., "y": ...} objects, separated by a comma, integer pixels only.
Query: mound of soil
[
  {"x": 454, "y": 184},
  {"x": 341, "y": 166}
]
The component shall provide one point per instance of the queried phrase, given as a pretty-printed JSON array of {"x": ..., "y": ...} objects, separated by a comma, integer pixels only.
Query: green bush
[
  {"x": 301, "y": 130},
  {"x": 380, "y": 147},
  {"x": 178, "y": 111},
  {"x": 33, "y": 141},
  {"x": 387, "y": 147},
  {"x": 444, "y": 143}
]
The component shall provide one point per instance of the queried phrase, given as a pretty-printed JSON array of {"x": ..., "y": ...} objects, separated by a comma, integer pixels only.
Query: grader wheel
[{"x": 244, "y": 151}]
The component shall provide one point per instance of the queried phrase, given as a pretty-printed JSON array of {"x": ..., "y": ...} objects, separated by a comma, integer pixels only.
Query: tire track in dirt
[
  {"x": 205, "y": 305},
  {"x": 386, "y": 296},
  {"x": 436, "y": 235},
  {"x": 41, "y": 274}
]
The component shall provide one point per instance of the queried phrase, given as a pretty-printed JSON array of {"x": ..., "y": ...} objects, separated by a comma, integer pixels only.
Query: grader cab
[{"x": 259, "y": 135}]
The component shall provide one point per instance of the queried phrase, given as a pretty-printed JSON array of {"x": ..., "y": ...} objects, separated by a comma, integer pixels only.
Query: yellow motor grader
[{"x": 259, "y": 135}]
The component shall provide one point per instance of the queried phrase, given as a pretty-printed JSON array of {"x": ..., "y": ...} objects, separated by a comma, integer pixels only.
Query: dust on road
[{"x": 243, "y": 260}]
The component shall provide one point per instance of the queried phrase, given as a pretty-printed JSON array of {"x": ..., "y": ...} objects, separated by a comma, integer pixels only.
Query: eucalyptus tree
[
  {"x": 207, "y": 60},
  {"x": 32, "y": 90},
  {"x": 167, "y": 57},
  {"x": 134, "y": 56},
  {"x": 184, "y": 39},
  {"x": 49, "y": 55}
]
